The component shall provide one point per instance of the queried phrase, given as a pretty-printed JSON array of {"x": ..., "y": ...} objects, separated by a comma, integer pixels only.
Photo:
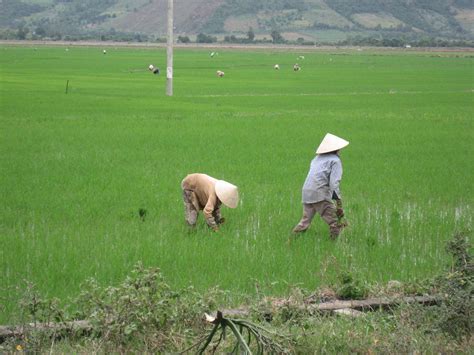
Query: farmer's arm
[
  {"x": 208, "y": 210},
  {"x": 217, "y": 214},
  {"x": 335, "y": 179}
]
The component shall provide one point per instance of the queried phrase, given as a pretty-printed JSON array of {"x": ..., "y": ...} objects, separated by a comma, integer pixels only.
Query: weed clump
[
  {"x": 457, "y": 290},
  {"x": 142, "y": 212},
  {"x": 36, "y": 311},
  {"x": 143, "y": 309},
  {"x": 351, "y": 288}
]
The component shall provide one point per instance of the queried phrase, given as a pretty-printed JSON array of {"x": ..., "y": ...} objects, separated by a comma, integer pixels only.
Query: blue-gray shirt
[{"x": 323, "y": 179}]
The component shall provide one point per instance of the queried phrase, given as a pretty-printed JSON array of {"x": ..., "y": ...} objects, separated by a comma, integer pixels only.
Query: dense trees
[
  {"x": 203, "y": 38},
  {"x": 250, "y": 34},
  {"x": 277, "y": 37},
  {"x": 11, "y": 10},
  {"x": 184, "y": 39}
]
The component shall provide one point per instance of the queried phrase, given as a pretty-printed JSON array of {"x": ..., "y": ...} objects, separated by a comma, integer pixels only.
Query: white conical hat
[
  {"x": 227, "y": 193},
  {"x": 331, "y": 143}
]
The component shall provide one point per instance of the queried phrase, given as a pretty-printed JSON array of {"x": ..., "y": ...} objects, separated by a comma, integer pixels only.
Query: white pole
[{"x": 169, "y": 51}]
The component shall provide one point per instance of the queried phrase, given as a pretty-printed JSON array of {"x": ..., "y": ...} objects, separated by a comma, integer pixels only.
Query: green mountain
[{"x": 316, "y": 20}]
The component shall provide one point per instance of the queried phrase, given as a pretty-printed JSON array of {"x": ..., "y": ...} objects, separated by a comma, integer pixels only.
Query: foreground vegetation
[
  {"x": 79, "y": 164},
  {"x": 145, "y": 314}
]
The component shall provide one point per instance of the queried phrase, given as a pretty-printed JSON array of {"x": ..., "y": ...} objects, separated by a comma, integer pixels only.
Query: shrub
[
  {"x": 457, "y": 289},
  {"x": 142, "y": 313},
  {"x": 351, "y": 288},
  {"x": 203, "y": 38},
  {"x": 183, "y": 39},
  {"x": 142, "y": 310}
]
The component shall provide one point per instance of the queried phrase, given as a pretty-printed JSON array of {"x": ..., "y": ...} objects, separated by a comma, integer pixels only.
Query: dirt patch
[
  {"x": 370, "y": 20},
  {"x": 466, "y": 19},
  {"x": 152, "y": 18},
  {"x": 240, "y": 23}
]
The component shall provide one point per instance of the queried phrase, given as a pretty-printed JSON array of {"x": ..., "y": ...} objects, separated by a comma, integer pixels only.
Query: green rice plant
[{"x": 77, "y": 168}]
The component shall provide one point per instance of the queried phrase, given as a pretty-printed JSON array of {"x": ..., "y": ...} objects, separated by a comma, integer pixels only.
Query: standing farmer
[
  {"x": 322, "y": 187},
  {"x": 203, "y": 192}
]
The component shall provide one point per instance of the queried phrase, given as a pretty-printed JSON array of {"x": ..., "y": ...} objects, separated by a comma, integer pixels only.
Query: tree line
[{"x": 377, "y": 39}]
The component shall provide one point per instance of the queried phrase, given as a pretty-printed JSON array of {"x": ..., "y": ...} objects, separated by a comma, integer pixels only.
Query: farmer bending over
[
  {"x": 203, "y": 192},
  {"x": 322, "y": 187}
]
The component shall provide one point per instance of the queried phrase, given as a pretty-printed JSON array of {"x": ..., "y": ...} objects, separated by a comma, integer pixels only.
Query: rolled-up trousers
[
  {"x": 191, "y": 210},
  {"x": 326, "y": 210}
]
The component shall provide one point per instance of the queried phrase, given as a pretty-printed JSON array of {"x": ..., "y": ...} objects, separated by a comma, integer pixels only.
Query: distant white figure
[
  {"x": 296, "y": 67},
  {"x": 220, "y": 73},
  {"x": 104, "y": 51},
  {"x": 154, "y": 69},
  {"x": 301, "y": 57},
  {"x": 276, "y": 67},
  {"x": 213, "y": 54}
]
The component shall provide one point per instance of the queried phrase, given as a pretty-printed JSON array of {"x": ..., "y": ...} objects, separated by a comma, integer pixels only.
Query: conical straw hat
[
  {"x": 227, "y": 193},
  {"x": 331, "y": 143}
]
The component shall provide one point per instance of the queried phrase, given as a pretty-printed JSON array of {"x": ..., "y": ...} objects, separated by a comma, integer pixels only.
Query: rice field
[{"x": 77, "y": 164}]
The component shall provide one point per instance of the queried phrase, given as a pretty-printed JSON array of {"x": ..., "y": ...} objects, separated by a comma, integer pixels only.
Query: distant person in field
[
  {"x": 321, "y": 193},
  {"x": 154, "y": 69},
  {"x": 203, "y": 192}
]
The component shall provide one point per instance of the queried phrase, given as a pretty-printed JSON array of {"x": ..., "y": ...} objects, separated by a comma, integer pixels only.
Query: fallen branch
[
  {"x": 373, "y": 303},
  {"x": 370, "y": 304},
  {"x": 19, "y": 331}
]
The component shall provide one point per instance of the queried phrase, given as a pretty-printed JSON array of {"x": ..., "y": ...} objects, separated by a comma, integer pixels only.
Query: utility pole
[{"x": 169, "y": 51}]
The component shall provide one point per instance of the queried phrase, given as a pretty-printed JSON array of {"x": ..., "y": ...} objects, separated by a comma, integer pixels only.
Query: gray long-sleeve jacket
[{"x": 323, "y": 179}]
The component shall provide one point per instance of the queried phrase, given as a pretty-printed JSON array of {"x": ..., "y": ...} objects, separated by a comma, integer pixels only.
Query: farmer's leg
[
  {"x": 308, "y": 214},
  {"x": 327, "y": 210},
  {"x": 190, "y": 212}
]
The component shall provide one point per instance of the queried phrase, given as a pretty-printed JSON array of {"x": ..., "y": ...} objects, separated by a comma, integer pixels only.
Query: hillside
[{"x": 317, "y": 20}]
